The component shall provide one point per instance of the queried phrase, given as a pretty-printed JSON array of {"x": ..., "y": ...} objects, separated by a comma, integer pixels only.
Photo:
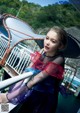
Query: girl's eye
[
  {"x": 53, "y": 41},
  {"x": 47, "y": 38}
]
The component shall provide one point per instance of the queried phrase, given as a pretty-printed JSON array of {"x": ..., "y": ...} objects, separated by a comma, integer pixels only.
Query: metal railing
[{"x": 19, "y": 59}]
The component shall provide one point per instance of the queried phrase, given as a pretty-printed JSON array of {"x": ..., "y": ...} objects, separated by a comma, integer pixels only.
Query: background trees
[{"x": 61, "y": 14}]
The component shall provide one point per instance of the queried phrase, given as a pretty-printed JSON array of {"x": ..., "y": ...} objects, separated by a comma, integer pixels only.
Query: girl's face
[{"x": 51, "y": 43}]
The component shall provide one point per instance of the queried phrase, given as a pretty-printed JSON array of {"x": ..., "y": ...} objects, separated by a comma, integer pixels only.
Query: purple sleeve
[
  {"x": 15, "y": 86},
  {"x": 17, "y": 93}
]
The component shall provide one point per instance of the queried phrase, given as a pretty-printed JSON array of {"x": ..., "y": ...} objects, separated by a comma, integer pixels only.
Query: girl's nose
[{"x": 48, "y": 42}]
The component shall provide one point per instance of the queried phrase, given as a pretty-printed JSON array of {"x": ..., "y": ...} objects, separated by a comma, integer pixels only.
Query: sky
[{"x": 45, "y": 2}]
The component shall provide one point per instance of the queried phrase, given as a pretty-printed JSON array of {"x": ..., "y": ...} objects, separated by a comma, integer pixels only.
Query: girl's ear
[{"x": 61, "y": 47}]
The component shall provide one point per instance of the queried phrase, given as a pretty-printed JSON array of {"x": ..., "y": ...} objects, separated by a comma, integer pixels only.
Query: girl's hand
[{"x": 3, "y": 98}]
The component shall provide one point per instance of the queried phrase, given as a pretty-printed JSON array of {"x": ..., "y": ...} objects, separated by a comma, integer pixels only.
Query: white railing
[{"x": 19, "y": 59}]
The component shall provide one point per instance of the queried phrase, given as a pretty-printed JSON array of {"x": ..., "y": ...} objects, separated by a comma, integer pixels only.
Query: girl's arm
[
  {"x": 6, "y": 97},
  {"x": 39, "y": 77}
]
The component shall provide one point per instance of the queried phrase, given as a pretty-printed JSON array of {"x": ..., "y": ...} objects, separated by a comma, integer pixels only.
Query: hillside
[{"x": 64, "y": 14}]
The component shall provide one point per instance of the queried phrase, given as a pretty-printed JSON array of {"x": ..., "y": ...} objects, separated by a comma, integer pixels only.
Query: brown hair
[{"x": 62, "y": 34}]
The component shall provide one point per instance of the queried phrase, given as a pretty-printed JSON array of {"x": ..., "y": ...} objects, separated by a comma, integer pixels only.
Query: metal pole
[{"x": 10, "y": 81}]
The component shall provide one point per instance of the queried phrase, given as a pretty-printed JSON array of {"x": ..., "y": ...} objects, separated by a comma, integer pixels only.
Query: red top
[{"x": 50, "y": 67}]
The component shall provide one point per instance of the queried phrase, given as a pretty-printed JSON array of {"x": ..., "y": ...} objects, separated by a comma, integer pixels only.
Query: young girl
[{"x": 40, "y": 94}]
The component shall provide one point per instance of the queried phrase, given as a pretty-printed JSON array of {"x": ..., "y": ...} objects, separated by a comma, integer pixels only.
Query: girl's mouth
[{"x": 46, "y": 47}]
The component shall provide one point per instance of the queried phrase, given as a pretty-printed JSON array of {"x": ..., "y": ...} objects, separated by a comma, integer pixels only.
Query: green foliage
[{"x": 64, "y": 15}]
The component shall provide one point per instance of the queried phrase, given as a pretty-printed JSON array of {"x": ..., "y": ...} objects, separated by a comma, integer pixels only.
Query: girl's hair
[{"x": 62, "y": 35}]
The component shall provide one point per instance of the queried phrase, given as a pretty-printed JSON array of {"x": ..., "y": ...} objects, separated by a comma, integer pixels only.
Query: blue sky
[{"x": 45, "y": 2}]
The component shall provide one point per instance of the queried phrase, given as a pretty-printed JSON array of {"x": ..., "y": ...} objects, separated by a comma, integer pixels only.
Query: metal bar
[{"x": 10, "y": 81}]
